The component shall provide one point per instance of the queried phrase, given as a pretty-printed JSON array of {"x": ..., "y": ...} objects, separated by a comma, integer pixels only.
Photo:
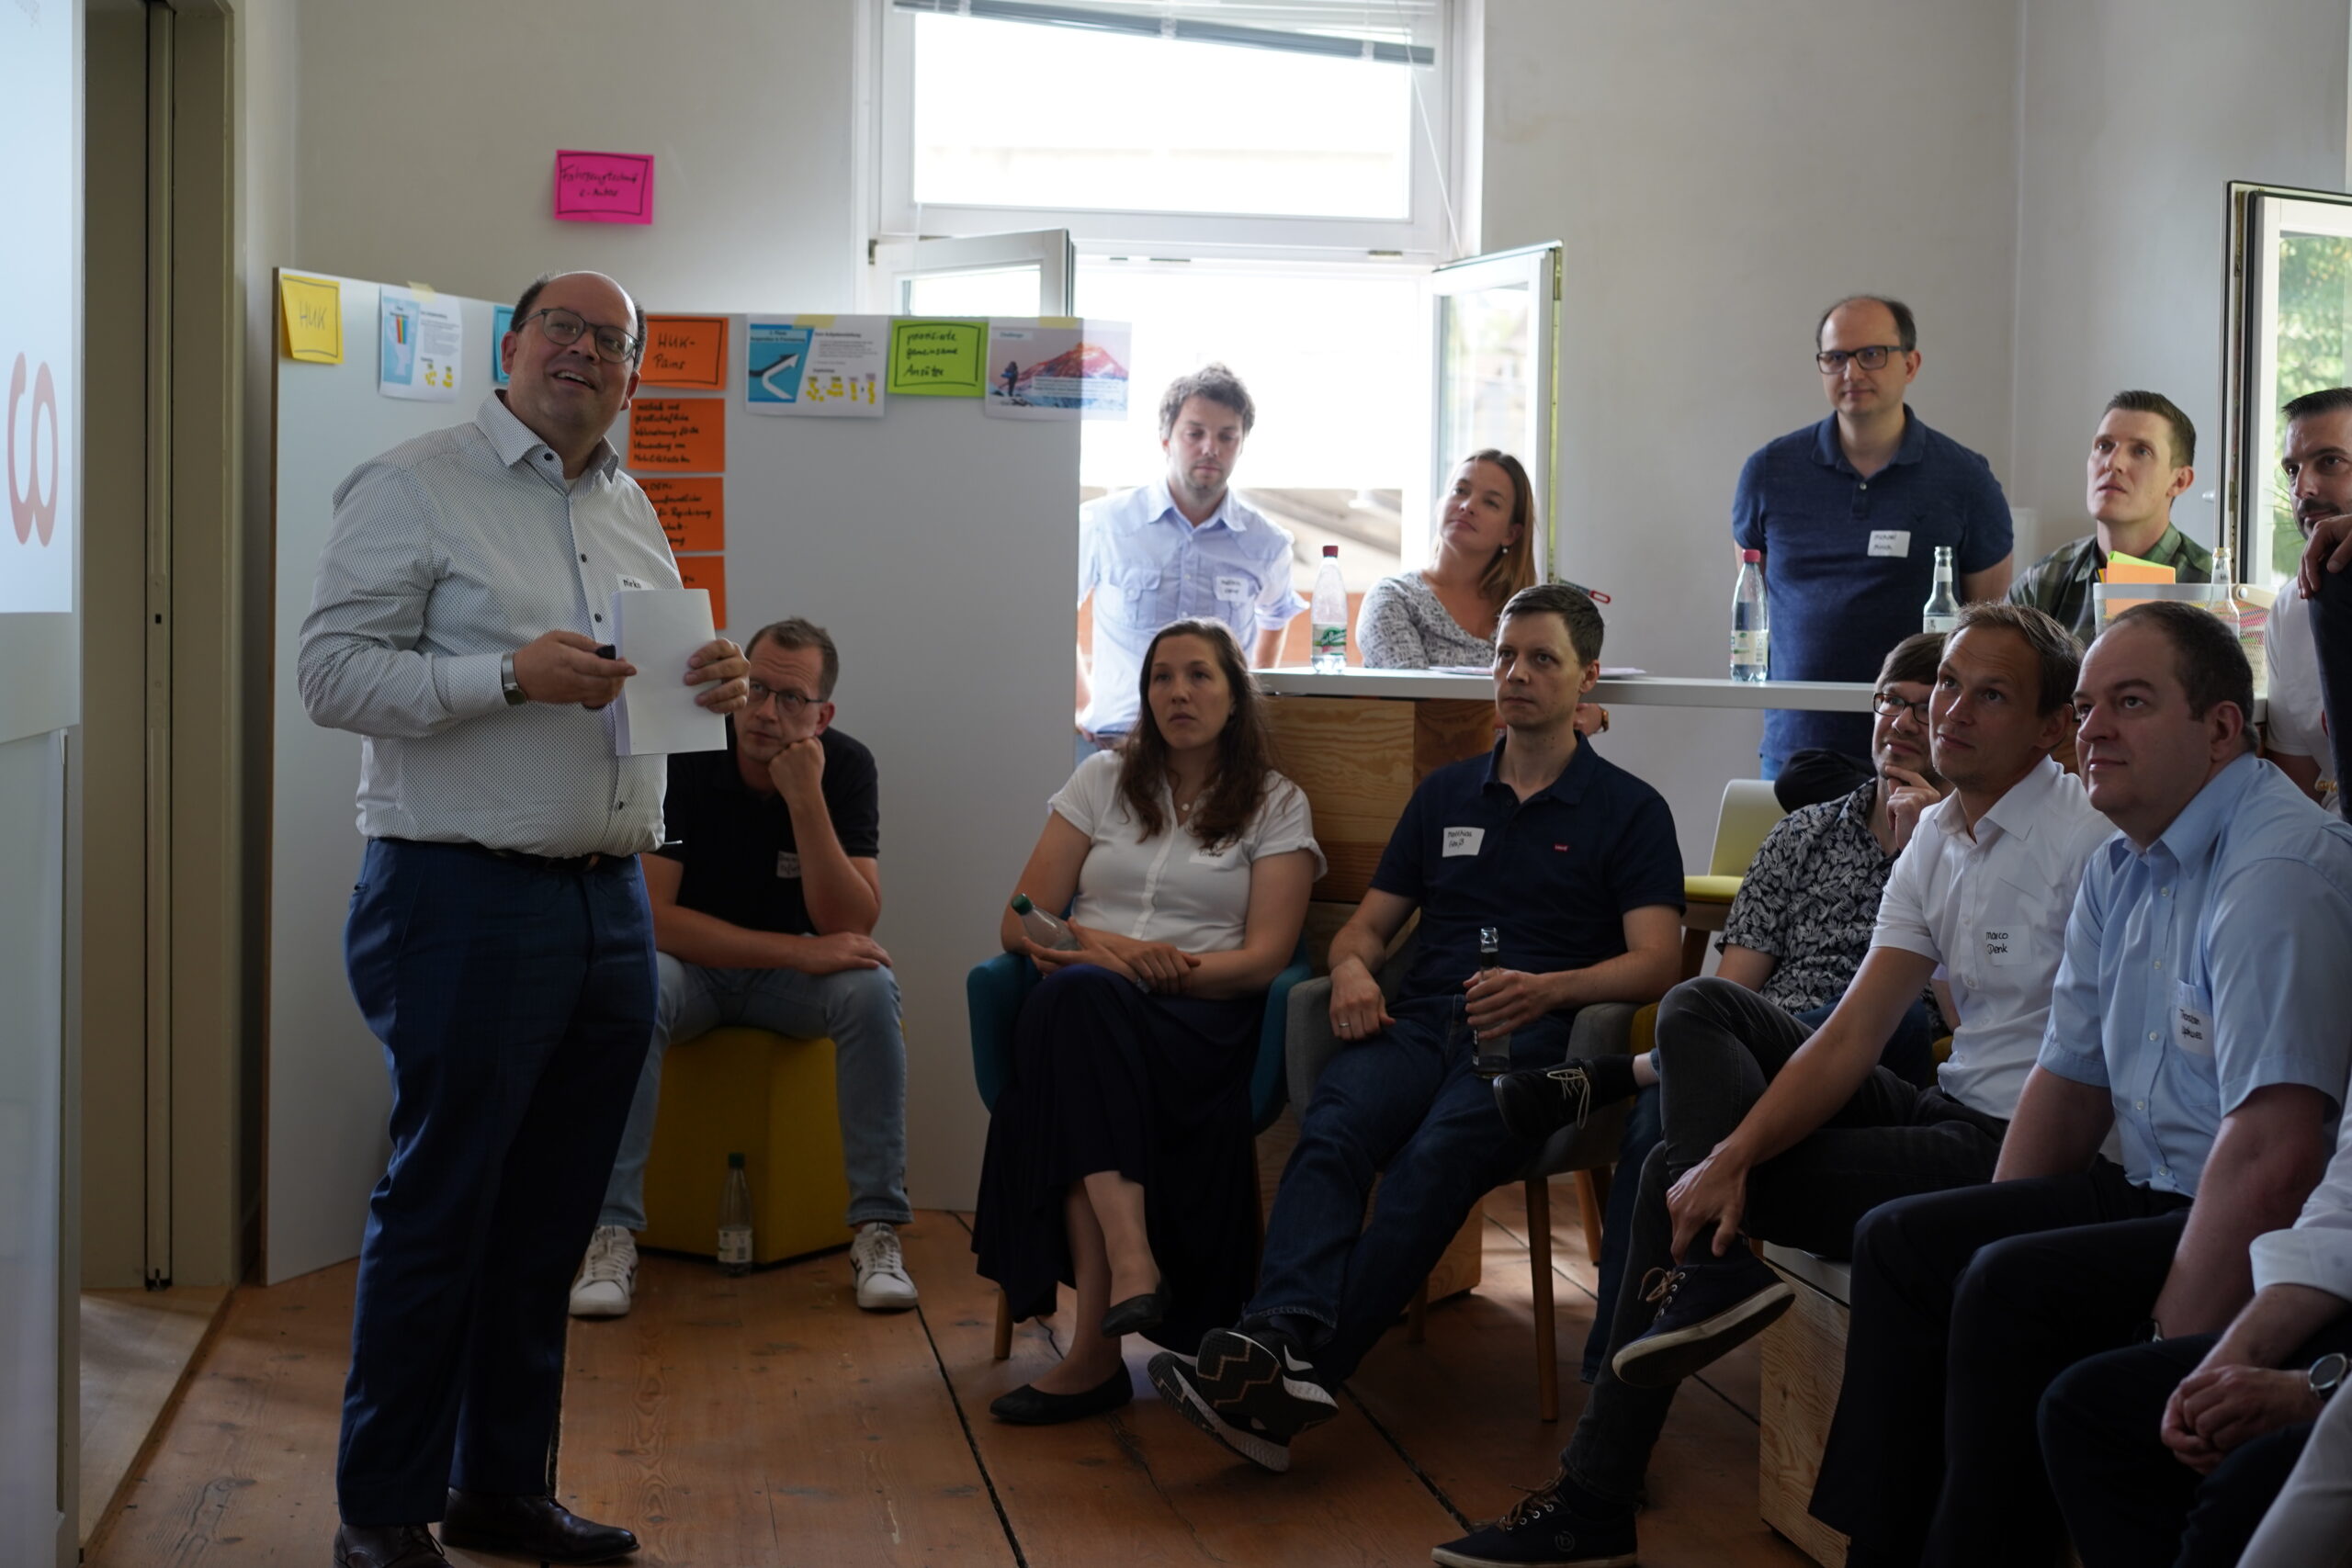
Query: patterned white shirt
[{"x": 447, "y": 553}]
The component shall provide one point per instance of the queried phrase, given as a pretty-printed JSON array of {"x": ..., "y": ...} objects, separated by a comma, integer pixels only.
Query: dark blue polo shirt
[
  {"x": 1848, "y": 561},
  {"x": 1554, "y": 874}
]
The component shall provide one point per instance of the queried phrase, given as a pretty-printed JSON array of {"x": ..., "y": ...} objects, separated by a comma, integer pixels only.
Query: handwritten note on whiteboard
[
  {"x": 313, "y": 313},
  {"x": 693, "y": 512},
  {"x": 604, "y": 187},
  {"x": 938, "y": 359},
  {"x": 686, "y": 351},
  {"x": 677, "y": 435}
]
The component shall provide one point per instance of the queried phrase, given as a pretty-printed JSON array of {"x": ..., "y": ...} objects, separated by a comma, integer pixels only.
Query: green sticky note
[{"x": 937, "y": 359}]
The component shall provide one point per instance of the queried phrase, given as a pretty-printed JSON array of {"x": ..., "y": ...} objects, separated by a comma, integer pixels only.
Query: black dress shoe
[
  {"x": 1136, "y": 1315},
  {"x": 1030, "y": 1407},
  {"x": 530, "y": 1527},
  {"x": 387, "y": 1546}
]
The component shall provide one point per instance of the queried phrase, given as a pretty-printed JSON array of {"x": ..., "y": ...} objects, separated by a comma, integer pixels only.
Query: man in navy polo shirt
[
  {"x": 1573, "y": 863},
  {"x": 1849, "y": 514},
  {"x": 765, "y": 901}
]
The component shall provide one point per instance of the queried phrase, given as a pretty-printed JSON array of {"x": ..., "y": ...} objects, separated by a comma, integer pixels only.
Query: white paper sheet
[{"x": 657, "y": 629}]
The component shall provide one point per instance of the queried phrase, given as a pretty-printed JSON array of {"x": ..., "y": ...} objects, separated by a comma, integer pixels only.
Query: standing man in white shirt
[
  {"x": 2315, "y": 457},
  {"x": 1183, "y": 545},
  {"x": 499, "y": 941}
]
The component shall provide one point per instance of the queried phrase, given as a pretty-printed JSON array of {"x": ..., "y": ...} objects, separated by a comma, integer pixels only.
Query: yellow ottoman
[{"x": 769, "y": 1098}]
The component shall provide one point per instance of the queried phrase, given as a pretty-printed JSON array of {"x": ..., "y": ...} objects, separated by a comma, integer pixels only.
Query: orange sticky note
[
  {"x": 678, "y": 435},
  {"x": 686, "y": 351},
  {"x": 693, "y": 512},
  {"x": 707, "y": 571},
  {"x": 2121, "y": 567}
]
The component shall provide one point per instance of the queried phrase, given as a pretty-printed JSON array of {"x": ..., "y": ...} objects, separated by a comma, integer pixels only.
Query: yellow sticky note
[{"x": 312, "y": 309}]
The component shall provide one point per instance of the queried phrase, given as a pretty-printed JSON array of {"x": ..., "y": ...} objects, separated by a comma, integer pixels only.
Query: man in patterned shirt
[
  {"x": 2139, "y": 465},
  {"x": 1777, "y": 1130}
]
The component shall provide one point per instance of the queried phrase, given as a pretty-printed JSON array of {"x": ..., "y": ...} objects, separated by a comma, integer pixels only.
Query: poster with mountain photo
[{"x": 1057, "y": 369}]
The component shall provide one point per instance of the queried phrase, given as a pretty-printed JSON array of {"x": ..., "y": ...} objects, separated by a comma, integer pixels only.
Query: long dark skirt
[{"x": 1106, "y": 1077}]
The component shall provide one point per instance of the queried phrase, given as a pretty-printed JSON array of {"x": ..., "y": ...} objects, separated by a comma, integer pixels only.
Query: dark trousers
[
  {"x": 1403, "y": 1105},
  {"x": 2127, "y": 1500},
  {"x": 2332, "y": 633},
  {"x": 1719, "y": 1045},
  {"x": 1966, "y": 1305},
  {"x": 514, "y": 1003}
]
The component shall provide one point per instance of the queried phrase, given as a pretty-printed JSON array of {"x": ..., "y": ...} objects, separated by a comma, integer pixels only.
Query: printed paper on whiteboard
[
  {"x": 828, "y": 366},
  {"x": 657, "y": 629},
  {"x": 1064, "y": 368},
  {"x": 423, "y": 342}
]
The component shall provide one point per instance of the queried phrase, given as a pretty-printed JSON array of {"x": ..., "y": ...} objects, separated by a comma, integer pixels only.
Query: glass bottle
[
  {"x": 1751, "y": 621},
  {"x": 1492, "y": 1059},
  {"x": 735, "y": 1220},
  {"x": 1942, "y": 612}
]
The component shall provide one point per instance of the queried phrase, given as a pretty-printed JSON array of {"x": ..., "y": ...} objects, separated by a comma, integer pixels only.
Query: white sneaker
[
  {"x": 607, "y": 1274},
  {"x": 881, "y": 1270}
]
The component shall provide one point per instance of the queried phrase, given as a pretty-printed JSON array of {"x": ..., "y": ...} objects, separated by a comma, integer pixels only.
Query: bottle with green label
[{"x": 1327, "y": 616}]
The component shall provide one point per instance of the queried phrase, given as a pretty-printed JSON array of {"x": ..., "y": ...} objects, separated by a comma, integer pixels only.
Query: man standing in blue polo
[
  {"x": 1849, "y": 514},
  {"x": 1183, "y": 545}
]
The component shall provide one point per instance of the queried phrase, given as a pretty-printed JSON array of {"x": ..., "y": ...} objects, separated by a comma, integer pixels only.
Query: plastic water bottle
[
  {"x": 735, "y": 1220},
  {"x": 1751, "y": 621},
  {"x": 2229, "y": 608},
  {"x": 1492, "y": 1058},
  {"x": 1942, "y": 612},
  {"x": 1046, "y": 931},
  {"x": 1328, "y": 616}
]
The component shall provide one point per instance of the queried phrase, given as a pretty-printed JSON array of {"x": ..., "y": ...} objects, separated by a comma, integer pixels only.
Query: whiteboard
[{"x": 937, "y": 546}]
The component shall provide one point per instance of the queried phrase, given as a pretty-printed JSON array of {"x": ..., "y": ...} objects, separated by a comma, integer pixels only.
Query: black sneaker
[
  {"x": 1178, "y": 1383},
  {"x": 1704, "y": 1309},
  {"x": 1536, "y": 1102},
  {"x": 1262, "y": 1381},
  {"x": 1560, "y": 1526}
]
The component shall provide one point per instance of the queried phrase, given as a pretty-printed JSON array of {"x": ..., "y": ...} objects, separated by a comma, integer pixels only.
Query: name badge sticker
[
  {"x": 1234, "y": 590},
  {"x": 2192, "y": 1024},
  {"x": 1895, "y": 542},
  {"x": 787, "y": 866},
  {"x": 2001, "y": 947},
  {"x": 1224, "y": 859},
  {"x": 632, "y": 584},
  {"x": 1462, "y": 841}
]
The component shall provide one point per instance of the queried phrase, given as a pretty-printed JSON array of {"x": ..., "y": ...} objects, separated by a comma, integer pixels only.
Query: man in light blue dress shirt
[
  {"x": 1183, "y": 545},
  {"x": 2200, "y": 1012}
]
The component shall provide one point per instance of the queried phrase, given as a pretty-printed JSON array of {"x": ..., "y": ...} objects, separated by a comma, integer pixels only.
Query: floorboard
[
  {"x": 765, "y": 1420},
  {"x": 135, "y": 1349}
]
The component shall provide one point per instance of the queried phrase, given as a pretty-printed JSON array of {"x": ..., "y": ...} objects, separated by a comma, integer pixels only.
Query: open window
[
  {"x": 1492, "y": 331},
  {"x": 981, "y": 274},
  {"x": 2290, "y": 332}
]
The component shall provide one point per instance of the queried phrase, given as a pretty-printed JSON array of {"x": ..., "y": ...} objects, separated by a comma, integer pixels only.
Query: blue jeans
[
  {"x": 1403, "y": 1105},
  {"x": 858, "y": 1007},
  {"x": 512, "y": 1002}
]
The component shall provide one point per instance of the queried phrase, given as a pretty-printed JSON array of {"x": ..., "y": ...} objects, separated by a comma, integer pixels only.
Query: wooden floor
[
  {"x": 765, "y": 1420},
  {"x": 135, "y": 1346}
]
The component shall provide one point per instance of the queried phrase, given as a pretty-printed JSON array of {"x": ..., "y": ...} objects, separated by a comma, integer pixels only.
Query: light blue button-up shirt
[
  {"x": 2214, "y": 962},
  {"x": 1146, "y": 565}
]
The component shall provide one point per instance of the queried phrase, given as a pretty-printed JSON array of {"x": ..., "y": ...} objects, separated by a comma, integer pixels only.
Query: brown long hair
[
  {"x": 1513, "y": 566},
  {"x": 1244, "y": 756}
]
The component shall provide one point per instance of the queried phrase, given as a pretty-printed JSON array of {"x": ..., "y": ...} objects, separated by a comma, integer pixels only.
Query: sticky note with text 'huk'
[{"x": 312, "y": 309}]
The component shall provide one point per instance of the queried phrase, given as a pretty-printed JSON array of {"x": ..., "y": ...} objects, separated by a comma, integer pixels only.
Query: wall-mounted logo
[{"x": 29, "y": 509}]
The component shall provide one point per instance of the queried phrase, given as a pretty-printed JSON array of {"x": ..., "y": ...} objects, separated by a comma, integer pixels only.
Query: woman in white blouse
[
  {"x": 1120, "y": 1157},
  {"x": 1444, "y": 614}
]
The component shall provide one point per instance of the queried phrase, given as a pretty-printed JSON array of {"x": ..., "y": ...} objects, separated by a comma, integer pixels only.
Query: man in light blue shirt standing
[
  {"x": 2200, "y": 1012},
  {"x": 1183, "y": 545}
]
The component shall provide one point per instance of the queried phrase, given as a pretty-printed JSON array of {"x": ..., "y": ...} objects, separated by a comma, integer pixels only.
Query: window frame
[{"x": 1433, "y": 233}]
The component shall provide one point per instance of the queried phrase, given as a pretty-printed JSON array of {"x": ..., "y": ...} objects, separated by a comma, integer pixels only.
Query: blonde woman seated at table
[
  {"x": 1120, "y": 1155},
  {"x": 1443, "y": 615}
]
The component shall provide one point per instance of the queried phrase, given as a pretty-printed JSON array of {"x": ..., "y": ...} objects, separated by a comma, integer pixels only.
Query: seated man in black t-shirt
[{"x": 764, "y": 898}]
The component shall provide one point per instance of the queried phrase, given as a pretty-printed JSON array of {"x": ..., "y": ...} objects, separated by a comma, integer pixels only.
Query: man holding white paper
[
  {"x": 499, "y": 939},
  {"x": 764, "y": 901}
]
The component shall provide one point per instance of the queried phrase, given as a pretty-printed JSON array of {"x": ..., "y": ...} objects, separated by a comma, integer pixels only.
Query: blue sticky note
[{"x": 501, "y": 321}]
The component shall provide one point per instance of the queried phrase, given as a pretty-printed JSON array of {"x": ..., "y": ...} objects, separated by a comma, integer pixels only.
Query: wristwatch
[
  {"x": 2326, "y": 1375},
  {"x": 508, "y": 684}
]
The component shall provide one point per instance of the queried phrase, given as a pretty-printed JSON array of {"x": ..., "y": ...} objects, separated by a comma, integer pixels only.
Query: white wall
[
  {"x": 2136, "y": 113},
  {"x": 1719, "y": 173},
  {"x": 428, "y": 131}
]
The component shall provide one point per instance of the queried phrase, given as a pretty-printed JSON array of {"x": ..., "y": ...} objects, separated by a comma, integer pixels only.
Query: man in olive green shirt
[{"x": 2140, "y": 461}]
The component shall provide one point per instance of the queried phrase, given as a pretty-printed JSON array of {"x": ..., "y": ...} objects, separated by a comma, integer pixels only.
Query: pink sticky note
[{"x": 604, "y": 187}]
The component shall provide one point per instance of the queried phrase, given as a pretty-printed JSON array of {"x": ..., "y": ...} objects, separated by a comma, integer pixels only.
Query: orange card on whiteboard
[
  {"x": 677, "y": 435},
  {"x": 710, "y": 572},
  {"x": 686, "y": 351},
  {"x": 693, "y": 512}
]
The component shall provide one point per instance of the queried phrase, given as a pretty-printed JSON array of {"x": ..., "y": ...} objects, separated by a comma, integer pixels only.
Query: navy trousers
[{"x": 514, "y": 1003}]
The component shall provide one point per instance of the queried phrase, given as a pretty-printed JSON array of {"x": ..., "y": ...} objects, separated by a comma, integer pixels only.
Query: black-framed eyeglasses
[
  {"x": 787, "y": 704},
  {"x": 564, "y": 327},
  {"x": 1893, "y": 705},
  {"x": 1873, "y": 357}
]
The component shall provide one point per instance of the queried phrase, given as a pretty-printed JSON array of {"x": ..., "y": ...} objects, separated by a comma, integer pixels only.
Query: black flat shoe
[
  {"x": 1029, "y": 1407},
  {"x": 1136, "y": 1315},
  {"x": 529, "y": 1526}
]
